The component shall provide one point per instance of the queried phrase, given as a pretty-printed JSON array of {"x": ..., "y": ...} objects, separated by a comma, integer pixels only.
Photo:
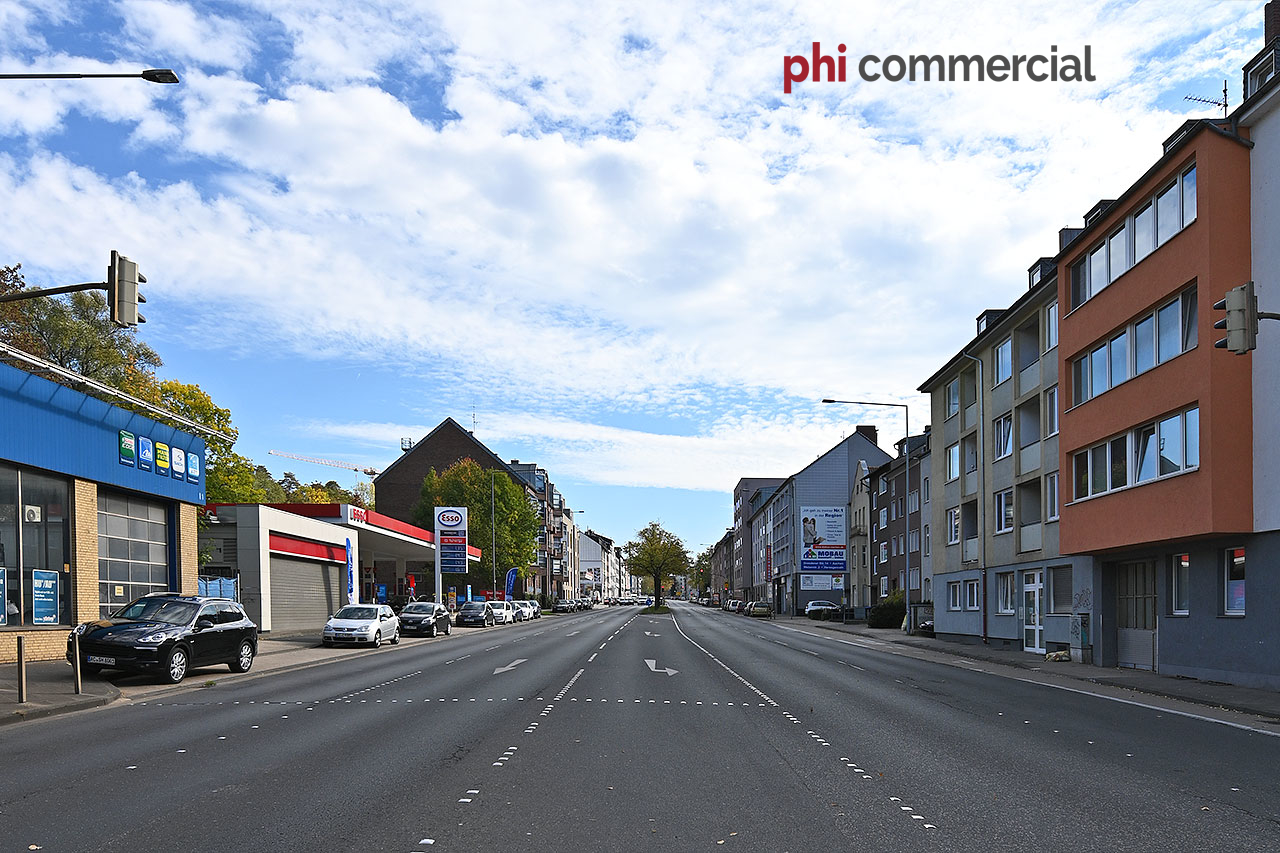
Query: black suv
[{"x": 168, "y": 634}]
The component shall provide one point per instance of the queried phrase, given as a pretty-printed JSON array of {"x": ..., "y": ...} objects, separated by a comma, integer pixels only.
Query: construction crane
[{"x": 372, "y": 472}]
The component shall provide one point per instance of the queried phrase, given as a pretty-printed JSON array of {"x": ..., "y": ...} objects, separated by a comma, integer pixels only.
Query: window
[
  {"x": 34, "y": 512},
  {"x": 1142, "y": 454},
  {"x": 1006, "y": 592},
  {"x": 884, "y": 485},
  {"x": 1004, "y": 511},
  {"x": 1004, "y": 362},
  {"x": 1180, "y": 582},
  {"x": 973, "y": 595},
  {"x": 913, "y": 502},
  {"x": 913, "y": 540},
  {"x": 884, "y": 552},
  {"x": 1151, "y": 225},
  {"x": 953, "y": 595},
  {"x": 953, "y": 396},
  {"x": 1261, "y": 73},
  {"x": 925, "y": 489},
  {"x": 1060, "y": 589},
  {"x": 893, "y": 550},
  {"x": 953, "y": 525},
  {"x": 1233, "y": 582},
  {"x": 1051, "y": 496},
  {"x": 1002, "y": 435},
  {"x": 884, "y": 521},
  {"x": 1051, "y": 327},
  {"x": 893, "y": 511},
  {"x": 1051, "y": 411},
  {"x": 1151, "y": 340},
  {"x": 953, "y": 462},
  {"x": 926, "y": 540}
]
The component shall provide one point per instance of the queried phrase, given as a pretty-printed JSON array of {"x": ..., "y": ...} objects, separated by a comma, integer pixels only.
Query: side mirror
[{"x": 204, "y": 622}]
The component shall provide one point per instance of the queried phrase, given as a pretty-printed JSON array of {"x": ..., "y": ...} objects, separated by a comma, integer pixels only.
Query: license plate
[{"x": 106, "y": 661}]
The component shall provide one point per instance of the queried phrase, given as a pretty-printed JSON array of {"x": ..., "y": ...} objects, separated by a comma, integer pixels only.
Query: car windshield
[
  {"x": 821, "y": 604},
  {"x": 418, "y": 607},
  {"x": 159, "y": 610},
  {"x": 472, "y": 605},
  {"x": 357, "y": 613}
]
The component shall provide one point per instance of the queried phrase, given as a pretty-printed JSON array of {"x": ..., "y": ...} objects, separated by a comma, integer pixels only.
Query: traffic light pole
[{"x": 53, "y": 291}]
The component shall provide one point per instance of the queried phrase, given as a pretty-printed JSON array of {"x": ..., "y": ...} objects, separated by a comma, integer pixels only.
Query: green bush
[
  {"x": 889, "y": 613},
  {"x": 544, "y": 601}
]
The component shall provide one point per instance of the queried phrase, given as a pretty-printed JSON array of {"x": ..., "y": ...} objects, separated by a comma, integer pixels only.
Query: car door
[
  {"x": 207, "y": 641},
  {"x": 390, "y": 622}
]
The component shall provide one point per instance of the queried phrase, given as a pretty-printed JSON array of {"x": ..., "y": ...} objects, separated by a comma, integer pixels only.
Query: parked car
[
  {"x": 759, "y": 608},
  {"x": 534, "y": 608},
  {"x": 821, "y": 609},
  {"x": 425, "y": 617},
  {"x": 478, "y": 613},
  {"x": 730, "y": 605},
  {"x": 562, "y": 605},
  {"x": 168, "y": 634},
  {"x": 358, "y": 624},
  {"x": 587, "y": 604},
  {"x": 740, "y": 606},
  {"x": 504, "y": 612}
]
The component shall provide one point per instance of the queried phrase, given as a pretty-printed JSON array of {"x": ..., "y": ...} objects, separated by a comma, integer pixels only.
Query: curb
[{"x": 23, "y": 715}]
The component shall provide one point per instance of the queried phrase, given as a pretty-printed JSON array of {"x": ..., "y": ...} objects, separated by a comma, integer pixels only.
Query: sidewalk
[{"x": 1248, "y": 700}]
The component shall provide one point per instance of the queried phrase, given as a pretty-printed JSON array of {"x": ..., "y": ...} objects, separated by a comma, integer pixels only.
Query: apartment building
[
  {"x": 862, "y": 594},
  {"x": 898, "y": 507},
  {"x": 745, "y": 582},
  {"x": 998, "y": 573}
]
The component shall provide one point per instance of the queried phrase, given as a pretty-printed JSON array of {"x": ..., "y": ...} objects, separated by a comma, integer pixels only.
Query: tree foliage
[
  {"x": 700, "y": 571},
  {"x": 656, "y": 554},
  {"x": 465, "y": 483}
]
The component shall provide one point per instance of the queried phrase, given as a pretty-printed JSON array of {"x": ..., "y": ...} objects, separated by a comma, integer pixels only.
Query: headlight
[
  {"x": 81, "y": 628},
  {"x": 156, "y": 638}
]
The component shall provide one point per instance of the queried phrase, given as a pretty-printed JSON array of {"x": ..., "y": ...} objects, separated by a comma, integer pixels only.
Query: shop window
[
  {"x": 1233, "y": 582},
  {"x": 35, "y": 576}
]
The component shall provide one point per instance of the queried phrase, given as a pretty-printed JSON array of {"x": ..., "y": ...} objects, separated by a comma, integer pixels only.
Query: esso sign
[{"x": 449, "y": 518}]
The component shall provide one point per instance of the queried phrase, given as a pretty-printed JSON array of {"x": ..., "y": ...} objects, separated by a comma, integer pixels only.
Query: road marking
[
  {"x": 653, "y": 667},
  {"x": 573, "y": 633},
  {"x": 647, "y": 634},
  {"x": 593, "y": 657},
  {"x": 515, "y": 663}
]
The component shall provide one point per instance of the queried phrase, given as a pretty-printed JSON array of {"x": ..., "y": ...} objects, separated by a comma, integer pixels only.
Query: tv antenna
[{"x": 1212, "y": 103}]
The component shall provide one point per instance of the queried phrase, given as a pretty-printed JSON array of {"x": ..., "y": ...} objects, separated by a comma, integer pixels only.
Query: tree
[
  {"x": 658, "y": 555},
  {"x": 701, "y": 570},
  {"x": 465, "y": 483}
]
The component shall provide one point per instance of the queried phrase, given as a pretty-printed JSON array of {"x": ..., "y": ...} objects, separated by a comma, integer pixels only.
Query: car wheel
[
  {"x": 431, "y": 632},
  {"x": 447, "y": 627},
  {"x": 244, "y": 659},
  {"x": 395, "y": 638},
  {"x": 176, "y": 665},
  {"x": 377, "y": 639}
]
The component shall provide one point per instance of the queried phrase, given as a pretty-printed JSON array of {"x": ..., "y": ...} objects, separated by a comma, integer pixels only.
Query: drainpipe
[{"x": 982, "y": 498}]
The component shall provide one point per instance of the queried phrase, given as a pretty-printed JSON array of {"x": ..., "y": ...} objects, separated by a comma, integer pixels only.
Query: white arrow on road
[
  {"x": 653, "y": 667},
  {"x": 572, "y": 633},
  {"x": 647, "y": 634},
  {"x": 515, "y": 663}
]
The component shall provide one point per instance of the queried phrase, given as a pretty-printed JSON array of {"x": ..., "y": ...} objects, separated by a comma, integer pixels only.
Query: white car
[
  {"x": 504, "y": 612},
  {"x": 362, "y": 625}
]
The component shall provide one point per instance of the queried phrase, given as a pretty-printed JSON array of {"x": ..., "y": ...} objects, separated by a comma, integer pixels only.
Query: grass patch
[{"x": 652, "y": 610}]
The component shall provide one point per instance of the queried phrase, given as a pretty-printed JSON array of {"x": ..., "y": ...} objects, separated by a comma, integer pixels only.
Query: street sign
[{"x": 451, "y": 539}]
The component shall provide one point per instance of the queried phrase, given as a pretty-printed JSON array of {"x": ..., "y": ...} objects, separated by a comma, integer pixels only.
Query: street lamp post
[
  {"x": 493, "y": 532},
  {"x": 151, "y": 75},
  {"x": 906, "y": 444}
]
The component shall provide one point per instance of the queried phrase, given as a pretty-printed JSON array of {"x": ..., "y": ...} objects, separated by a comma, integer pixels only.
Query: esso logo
[{"x": 449, "y": 518}]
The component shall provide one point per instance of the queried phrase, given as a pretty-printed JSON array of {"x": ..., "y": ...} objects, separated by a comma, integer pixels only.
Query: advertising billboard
[
  {"x": 822, "y": 538},
  {"x": 451, "y": 539}
]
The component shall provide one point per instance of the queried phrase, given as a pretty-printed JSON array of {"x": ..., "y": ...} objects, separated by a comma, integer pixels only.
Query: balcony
[
  {"x": 1029, "y": 378},
  {"x": 1029, "y": 458},
  {"x": 1030, "y": 537},
  {"x": 970, "y": 483},
  {"x": 970, "y": 550},
  {"x": 970, "y": 415}
]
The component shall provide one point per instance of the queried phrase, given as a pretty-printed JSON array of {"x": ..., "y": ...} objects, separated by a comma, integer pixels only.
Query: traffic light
[
  {"x": 123, "y": 297},
  {"x": 1241, "y": 320}
]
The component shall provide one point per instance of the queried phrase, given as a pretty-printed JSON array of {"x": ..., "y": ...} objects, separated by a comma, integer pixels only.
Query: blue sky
[{"x": 600, "y": 230}]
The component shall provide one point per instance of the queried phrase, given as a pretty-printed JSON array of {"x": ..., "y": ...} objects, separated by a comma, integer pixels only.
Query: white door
[{"x": 1033, "y": 611}]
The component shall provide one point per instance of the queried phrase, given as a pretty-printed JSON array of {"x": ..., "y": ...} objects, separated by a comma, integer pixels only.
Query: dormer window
[{"x": 1262, "y": 71}]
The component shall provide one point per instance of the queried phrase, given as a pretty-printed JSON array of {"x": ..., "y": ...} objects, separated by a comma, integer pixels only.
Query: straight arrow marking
[
  {"x": 653, "y": 667},
  {"x": 647, "y": 634},
  {"x": 515, "y": 663}
]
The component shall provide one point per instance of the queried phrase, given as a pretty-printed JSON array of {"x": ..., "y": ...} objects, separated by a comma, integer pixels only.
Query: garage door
[{"x": 304, "y": 594}]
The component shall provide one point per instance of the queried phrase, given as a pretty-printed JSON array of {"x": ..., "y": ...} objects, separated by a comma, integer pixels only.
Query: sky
[{"x": 599, "y": 234}]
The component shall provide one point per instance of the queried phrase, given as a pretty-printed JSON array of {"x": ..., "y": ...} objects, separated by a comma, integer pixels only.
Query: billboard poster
[
  {"x": 193, "y": 468},
  {"x": 817, "y": 582},
  {"x": 44, "y": 597},
  {"x": 162, "y": 459},
  {"x": 451, "y": 540},
  {"x": 822, "y": 537},
  {"x": 146, "y": 452},
  {"x": 178, "y": 462}
]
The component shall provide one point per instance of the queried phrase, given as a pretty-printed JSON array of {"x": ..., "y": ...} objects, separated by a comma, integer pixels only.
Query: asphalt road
[{"x": 611, "y": 730}]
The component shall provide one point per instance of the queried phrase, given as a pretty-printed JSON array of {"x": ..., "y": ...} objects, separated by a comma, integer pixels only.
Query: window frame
[
  {"x": 1135, "y": 450},
  {"x": 953, "y": 525},
  {"x": 973, "y": 594},
  {"x": 1006, "y": 592},
  {"x": 1228, "y": 560},
  {"x": 1051, "y": 411},
  {"x": 951, "y": 398},
  {"x": 1002, "y": 362},
  {"x": 1003, "y": 501},
  {"x": 953, "y": 462},
  {"x": 1002, "y": 437},
  {"x": 1180, "y": 584},
  {"x": 953, "y": 595},
  {"x": 1052, "y": 496}
]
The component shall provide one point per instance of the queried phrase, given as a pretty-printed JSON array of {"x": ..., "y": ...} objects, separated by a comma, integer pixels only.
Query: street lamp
[
  {"x": 906, "y": 444},
  {"x": 151, "y": 75}
]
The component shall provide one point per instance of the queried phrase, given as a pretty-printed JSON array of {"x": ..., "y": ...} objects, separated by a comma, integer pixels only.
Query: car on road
[
  {"x": 759, "y": 608},
  {"x": 478, "y": 613},
  {"x": 166, "y": 635},
  {"x": 362, "y": 624},
  {"x": 530, "y": 608},
  {"x": 821, "y": 609},
  {"x": 562, "y": 605},
  {"x": 425, "y": 617}
]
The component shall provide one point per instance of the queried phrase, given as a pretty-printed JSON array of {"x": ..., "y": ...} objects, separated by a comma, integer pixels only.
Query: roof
[{"x": 450, "y": 424}]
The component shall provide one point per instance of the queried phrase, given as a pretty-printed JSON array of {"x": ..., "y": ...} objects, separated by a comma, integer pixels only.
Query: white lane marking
[
  {"x": 1149, "y": 707},
  {"x": 593, "y": 657},
  {"x": 515, "y": 663},
  {"x": 653, "y": 667},
  {"x": 573, "y": 633}
]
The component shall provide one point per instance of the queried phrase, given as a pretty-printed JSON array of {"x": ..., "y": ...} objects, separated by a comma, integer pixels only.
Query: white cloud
[{"x": 177, "y": 34}]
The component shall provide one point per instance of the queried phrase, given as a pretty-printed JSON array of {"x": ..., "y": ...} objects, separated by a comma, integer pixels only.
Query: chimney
[
  {"x": 870, "y": 433},
  {"x": 1271, "y": 21}
]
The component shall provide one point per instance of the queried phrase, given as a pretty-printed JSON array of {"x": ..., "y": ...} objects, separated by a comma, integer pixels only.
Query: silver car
[{"x": 362, "y": 625}]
